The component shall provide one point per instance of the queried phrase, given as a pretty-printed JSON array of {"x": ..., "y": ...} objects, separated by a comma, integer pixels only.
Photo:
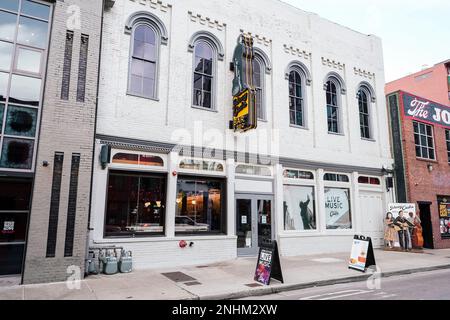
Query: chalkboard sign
[
  {"x": 268, "y": 265},
  {"x": 362, "y": 255}
]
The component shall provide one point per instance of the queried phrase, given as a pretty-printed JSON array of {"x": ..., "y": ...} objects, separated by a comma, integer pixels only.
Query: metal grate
[{"x": 178, "y": 276}]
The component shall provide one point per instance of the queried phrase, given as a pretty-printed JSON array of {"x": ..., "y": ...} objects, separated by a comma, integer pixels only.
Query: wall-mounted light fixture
[{"x": 430, "y": 167}]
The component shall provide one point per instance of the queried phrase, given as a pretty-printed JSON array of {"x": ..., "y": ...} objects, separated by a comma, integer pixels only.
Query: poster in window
[
  {"x": 444, "y": 221},
  {"x": 299, "y": 208},
  {"x": 337, "y": 208}
]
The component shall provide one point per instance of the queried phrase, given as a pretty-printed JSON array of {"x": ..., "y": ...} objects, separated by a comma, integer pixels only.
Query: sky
[{"x": 415, "y": 33}]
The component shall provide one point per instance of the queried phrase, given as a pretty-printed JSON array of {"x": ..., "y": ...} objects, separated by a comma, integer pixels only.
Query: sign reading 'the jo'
[{"x": 425, "y": 110}]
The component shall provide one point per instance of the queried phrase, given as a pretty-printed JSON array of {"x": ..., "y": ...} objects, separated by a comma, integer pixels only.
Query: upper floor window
[
  {"x": 296, "y": 105},
  {"x": 447, "y": 139},
  {"x": 258, "y": 83},
  {"x": 364, "y": 116},
  {"x": 147, "y": 33},
  {"x": 424, "y": 140},
  {"x": 203, "y": 75},
  {"x": 333, "y": 106},
  {"x": 144, "y": 58}
]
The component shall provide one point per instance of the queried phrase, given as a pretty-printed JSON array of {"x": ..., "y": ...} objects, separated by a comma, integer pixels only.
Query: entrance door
[
  {"x": 254, "y": 226},
  {"x": 14, "y": 211},
  {"x": 427, "y": 228}
]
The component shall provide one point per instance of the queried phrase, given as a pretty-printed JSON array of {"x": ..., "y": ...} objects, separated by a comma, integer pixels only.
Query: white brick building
[{"x": 330, "y": 151}]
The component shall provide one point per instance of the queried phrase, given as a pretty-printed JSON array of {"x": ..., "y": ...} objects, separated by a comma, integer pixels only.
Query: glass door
[{"x": 254, "y": 226}]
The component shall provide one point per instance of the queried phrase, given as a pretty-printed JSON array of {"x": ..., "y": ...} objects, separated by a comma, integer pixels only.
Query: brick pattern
[
  {"x": 67, "y": 66},
  {"x": 423, "y": 185},
  {"x": 72, "y": 205},
  {"x": 67, "y": 125},
  {"x": 54, "y": 204},
  {"x": 82, "y": 68}
]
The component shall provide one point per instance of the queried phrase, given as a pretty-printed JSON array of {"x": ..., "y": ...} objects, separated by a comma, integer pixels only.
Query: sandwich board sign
[
  {"x": 268, "y": 264},
  {"x": 362, "y": 255}
]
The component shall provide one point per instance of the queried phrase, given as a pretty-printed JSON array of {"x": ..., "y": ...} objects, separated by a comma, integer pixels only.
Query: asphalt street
[{"x": 434, "y": 285}]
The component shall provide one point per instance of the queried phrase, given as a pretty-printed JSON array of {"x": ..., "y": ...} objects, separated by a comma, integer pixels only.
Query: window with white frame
[
  {"x": 424, "y": 140},
  {"x": 144, "y": 61},
  {"x": 258, "y": 82},
  {"x": 364, "y": 112}
]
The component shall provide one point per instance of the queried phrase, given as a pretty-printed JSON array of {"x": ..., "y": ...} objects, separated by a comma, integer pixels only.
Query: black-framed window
[
  {"x": 296, "y": 116},
  {"x": 424, "y": 140},
  {"x": 333, "y": 112},
  {"x": 200, "y": 205},
  {"x": 135, "y": 205},
  {"x": 447, "y": 140},
  {"x": 364, "y": 115},
  {"x": 203, "y": 75}
]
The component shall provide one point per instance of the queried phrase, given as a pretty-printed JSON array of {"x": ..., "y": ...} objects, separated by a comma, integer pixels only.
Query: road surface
[{"x": 434, "y": 285}]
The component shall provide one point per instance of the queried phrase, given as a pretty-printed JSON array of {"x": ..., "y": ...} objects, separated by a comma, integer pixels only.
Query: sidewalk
[{"x": 228, "y": 280}]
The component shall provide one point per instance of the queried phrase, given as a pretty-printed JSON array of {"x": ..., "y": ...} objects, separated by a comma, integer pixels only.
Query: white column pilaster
[
  {"x": 231, "y": 215},
  {"x": 278, "y": 198},
  {"x": 171, "y": 194},
  {"x": 320, "y": 196}
]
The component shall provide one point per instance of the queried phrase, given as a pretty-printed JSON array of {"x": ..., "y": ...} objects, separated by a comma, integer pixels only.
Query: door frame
[
  {"x": 428, "y": 222},
  {"x": 253, "y": 251}
]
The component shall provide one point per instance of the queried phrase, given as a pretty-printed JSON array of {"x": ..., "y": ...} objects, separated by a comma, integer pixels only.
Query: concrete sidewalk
[{"x": 228, "y": 280}]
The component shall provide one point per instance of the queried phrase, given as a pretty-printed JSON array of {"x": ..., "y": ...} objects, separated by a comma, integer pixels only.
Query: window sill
[
  {"x": 426, "y": 160},
  {"x": 336, "y": 133},
  {"x": 143, "y": 97},
  {"x": 298, "y": 127},
  {"x": 368, "y": 139},
  {"x": 161, "y": 239},
  {"x": 204, "y": 109}
]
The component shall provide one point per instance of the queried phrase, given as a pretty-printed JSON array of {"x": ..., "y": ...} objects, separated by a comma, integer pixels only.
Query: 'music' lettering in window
[{"x": 337, "y": 208}]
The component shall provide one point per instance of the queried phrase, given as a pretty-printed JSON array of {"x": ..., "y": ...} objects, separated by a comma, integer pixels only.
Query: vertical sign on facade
[{"x": 244, "y": 93}]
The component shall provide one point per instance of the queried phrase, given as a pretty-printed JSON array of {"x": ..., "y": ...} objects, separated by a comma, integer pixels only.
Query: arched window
[
  {"x": 364, "y": 115},
  {"x": 258, "y": 83},
  {"x": 296, "y": 104},
  {"x": 144, "y": 59},
  {"x": 147, "y": 32},
  {"x": 204, "y": 73},
  {"x": 333, "y": 105}
]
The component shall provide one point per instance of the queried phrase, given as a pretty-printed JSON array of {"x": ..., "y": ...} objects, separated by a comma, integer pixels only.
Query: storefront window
[
  {"x": 299, "y": 208},
  {"x": 368, "y": 180},
  {"x": 444, "y": 218},
  {"x": 298, "y": 174},
  {"x": 337, "y": 208},
  {"x": 336, "y": 177},
  {"x": 253, "y": 170},
  {"x": 200, "y": 206},
  {"x": 138, "y": 159},
  {"x": 194, "y": 164},
  {"x": 136, "y": 204}
]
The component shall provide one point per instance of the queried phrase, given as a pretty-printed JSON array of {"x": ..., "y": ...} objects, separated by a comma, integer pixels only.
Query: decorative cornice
[
  {"x": 259, "y": 39},
  {"x": 363, "y": 73},
  {"x": 297, "y": 52},
  {"x": 207, "y": 21},
  {"x": 154, "y": 4},
  {"x": 333, "y": 64}
]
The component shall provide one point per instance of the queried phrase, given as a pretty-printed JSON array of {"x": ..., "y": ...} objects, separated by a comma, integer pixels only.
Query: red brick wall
[
  {"x": 430, "y": 83},
  {"x": 423, "y": 185}
]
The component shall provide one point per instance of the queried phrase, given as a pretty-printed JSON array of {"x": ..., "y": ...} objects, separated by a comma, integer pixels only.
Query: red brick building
[{"x": 419, "y": 110}]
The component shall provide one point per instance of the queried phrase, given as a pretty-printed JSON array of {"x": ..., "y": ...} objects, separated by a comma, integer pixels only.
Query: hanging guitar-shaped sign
[{"x": 244, "y": 92}]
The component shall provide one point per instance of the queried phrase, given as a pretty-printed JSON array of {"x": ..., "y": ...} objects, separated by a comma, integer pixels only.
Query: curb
[{"x": 320, "y": 283}]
